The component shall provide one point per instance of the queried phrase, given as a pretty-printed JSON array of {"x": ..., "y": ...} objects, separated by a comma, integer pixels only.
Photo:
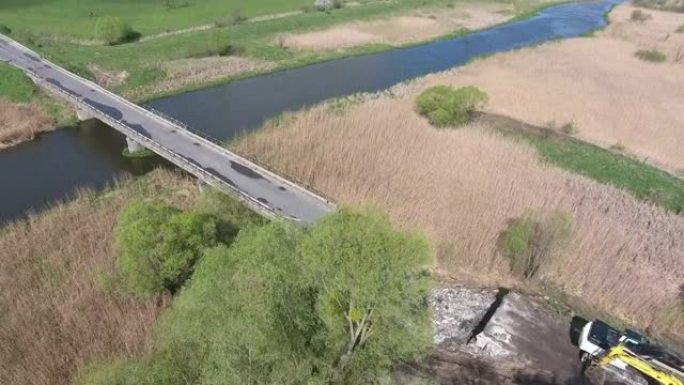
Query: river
[{"x": 52, "y": 167}]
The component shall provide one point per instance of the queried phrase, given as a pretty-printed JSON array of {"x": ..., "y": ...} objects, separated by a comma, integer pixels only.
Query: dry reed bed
[
  {"x": 462, "y": 186},
  {"x": 597, "y": 83},
  {"x": 21, "y": 122},
  {"x": 417, "y": 26},
  {"x": 56, "y": 313}
]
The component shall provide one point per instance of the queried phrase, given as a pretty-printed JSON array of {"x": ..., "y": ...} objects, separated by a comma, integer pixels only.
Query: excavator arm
[{"x": 620, "y": 352}]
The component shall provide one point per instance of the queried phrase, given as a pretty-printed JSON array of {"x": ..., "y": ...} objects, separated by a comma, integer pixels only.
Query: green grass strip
[
  {"x": 605, "y": 166},
  {"x": 14, "y": 85}
]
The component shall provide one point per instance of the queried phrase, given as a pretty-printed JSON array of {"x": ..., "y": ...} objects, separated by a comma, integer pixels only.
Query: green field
[
  {"x": 14, "y": 85},
  {"x": 143, "y": 59},
  {"x": 63, "y": 31},
  {"x": 76, "y": 18}
]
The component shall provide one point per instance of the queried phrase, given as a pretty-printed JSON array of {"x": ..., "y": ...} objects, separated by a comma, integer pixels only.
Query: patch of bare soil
[
  {"x": 21, "y": 122},
  {"x": 418, "y": 26},
  {"x": 185, "y": 72},
  {"x": 107, "y": 78},
  {"x": 598, "y": 84}
]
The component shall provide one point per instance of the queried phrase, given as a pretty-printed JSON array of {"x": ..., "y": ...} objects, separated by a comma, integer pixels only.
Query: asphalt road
[{"x": 265, "y": 191}]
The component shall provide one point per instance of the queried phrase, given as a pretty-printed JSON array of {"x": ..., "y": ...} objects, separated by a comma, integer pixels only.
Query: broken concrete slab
[
  {"x": 519, "y": 328},
  {"x": 457, "y": 311}
]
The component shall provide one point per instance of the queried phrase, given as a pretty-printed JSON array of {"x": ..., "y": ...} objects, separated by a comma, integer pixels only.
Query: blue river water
[{"x": 51, "y": 168}]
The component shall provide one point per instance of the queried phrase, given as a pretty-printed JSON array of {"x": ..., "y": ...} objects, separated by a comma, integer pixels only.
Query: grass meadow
[
  {"x": 59, "y": 303},
  {"x": 462, "y": 187},
  {"x": 76, "y": 19}
]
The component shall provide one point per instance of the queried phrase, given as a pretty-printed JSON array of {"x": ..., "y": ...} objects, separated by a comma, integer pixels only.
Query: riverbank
[{"x": 26, "y": 111}]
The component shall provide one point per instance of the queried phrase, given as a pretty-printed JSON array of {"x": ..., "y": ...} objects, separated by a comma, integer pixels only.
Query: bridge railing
[
  {"x": 190, "y": 167},
  {"x": 163, "y": 151},
  {"x": 220, "y": 143}
]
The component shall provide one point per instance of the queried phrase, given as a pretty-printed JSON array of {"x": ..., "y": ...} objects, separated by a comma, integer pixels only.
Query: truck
[{"x": 629, "y": 353}]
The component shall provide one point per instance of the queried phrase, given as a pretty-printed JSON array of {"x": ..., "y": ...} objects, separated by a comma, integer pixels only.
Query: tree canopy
[
  {"x": 340, "y": 303},
  {"x": 158, "y": 245}
]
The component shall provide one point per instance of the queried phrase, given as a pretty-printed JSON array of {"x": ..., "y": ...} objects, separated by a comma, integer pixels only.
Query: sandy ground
[
  {"x": 418, "y": 26},
  {"x": 20, "y": 122},
  {"x": 597, "y": 83}
]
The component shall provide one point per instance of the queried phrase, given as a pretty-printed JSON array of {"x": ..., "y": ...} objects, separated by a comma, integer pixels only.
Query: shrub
[
  {"x": 639, "y": 16},
  {"x": 158, "y": 245},
  {"x": 217, "y": 45},
  {"x": 445, "y": 106},
  {"x": 113, "y": 30},
  {"x": 652, "y": 55},
  {"x": 533, "y": 239},
  {"x": 323, "y": 5},
  {"x": 237, "y": 17},
  {"x": 569, "y": 128},
  {"x": 5, "y": 30},
  {"x": 619, "y": 147}
]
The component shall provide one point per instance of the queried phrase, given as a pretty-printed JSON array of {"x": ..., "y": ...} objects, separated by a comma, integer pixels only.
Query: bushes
[
  {"x": 533, "y": 239},
  {"x": 327, "y": 5},
  {"x": 217, "y": 45},
  {"x": 113, "y": 30},
  {"x": 5, "y": 30},
  {"x": 158, "y": 245},
  {"x": 652, "y": 55},
  {"x": 639, "y": 16},
  {"x": 444, "y": 106}
]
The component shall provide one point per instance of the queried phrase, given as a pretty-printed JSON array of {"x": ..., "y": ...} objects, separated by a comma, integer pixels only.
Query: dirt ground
[
  {"x": 497, "y": 337},
  {"x": 21, "y": 122},
  {"x": 598, "y": 84},
  {"x": 418, "y": 26}
]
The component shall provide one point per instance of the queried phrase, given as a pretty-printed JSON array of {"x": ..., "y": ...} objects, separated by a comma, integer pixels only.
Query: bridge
[{"x": 263, "y": 190}]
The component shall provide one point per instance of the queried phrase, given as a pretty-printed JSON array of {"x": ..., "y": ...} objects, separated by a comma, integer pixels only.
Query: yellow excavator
[{"x": 602, "y": 345}]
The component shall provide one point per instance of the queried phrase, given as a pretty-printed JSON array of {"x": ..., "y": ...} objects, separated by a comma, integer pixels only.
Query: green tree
[
  {"x": 533, "y": 239},
  {"x": 112, "y": 30},
  {"x": 158, "y": 245},
  {"x": 370, "y": 293},
  {"x": 342, "y": 302},
  {"x": 445, "y": 106}
]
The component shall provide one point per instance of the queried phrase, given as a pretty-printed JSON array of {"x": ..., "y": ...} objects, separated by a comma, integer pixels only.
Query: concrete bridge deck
[{"x": 265, "y": 191}]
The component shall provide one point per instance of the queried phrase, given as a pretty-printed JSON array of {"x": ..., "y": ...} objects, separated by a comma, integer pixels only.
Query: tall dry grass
[
  {"x": 461, "y": 187},
  {"x": 20, "y": 122},
  {"x": 597, "y": 83},
  {"x": 57, "y": 310}
]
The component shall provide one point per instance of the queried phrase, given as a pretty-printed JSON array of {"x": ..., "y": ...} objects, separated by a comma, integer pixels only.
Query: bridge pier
[
  {"x": 133, "y": 146},
  {"x": 84, "y": 114}
]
